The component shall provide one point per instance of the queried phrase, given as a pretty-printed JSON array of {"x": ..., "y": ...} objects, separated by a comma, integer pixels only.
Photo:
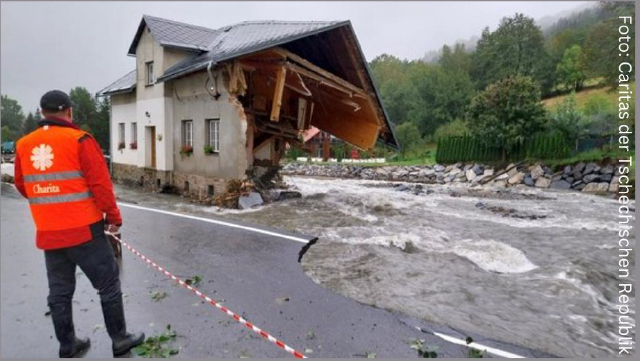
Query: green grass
[{"x": 582, "y": 97}]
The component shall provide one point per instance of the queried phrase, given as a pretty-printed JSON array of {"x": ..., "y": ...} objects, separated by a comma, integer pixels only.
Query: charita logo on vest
[
  {"x": 42, "y": 157},
  {"x": 50, "y": 188}
]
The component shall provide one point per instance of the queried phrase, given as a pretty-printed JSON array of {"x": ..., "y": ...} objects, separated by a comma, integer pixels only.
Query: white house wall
[
  {"x": 123, "y": 110},
  {"x": 191, "y": 101}
]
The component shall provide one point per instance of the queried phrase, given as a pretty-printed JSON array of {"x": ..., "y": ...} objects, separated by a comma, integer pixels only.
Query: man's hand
[{"x": 112, "y": 228}]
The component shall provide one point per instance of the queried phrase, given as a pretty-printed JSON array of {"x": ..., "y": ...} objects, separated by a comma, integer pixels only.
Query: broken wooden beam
[
  {"x": 277, "y": 95},
  {"x": 318, "y": 70}
]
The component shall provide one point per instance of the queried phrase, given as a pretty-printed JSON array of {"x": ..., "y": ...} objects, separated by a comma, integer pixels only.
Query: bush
[
  {"x": 567, "y": 120},
  {"x": 409, "y": 138},
  {"x": 456, "y": 128}
]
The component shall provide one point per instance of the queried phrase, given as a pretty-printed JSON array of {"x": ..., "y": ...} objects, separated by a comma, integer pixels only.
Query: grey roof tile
[
  {"x": 125, "y": 84},
  {"x": 247, "y": 37}
]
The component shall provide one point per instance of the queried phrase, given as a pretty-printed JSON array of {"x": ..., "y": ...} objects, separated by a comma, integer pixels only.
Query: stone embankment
[{"x": 586, "y": 177}]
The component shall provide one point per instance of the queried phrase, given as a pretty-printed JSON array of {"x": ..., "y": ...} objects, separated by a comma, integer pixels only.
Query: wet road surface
[{"x": 251, "y": 273}]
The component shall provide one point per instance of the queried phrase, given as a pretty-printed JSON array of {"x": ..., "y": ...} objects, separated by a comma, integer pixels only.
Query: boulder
[
  {"x": 543, "y": 182},
  {"x": 577, "y": 175},
  {"x": 567, "y": 170},
  {"x": 467, "y": 167},
  {"x": 470, "y": 175},
  {"x": 615, "y": 180},
  {"x": 537, "y": 172},
  {"x": 561, "y": 184},
  {"x": 580, "y": 186},
  {"x": 401, "y": 188},
  {"x": 516, "y": 178},
  {"x": 589, "y": 168},
  {"x": 282, "y": 195},
  {"x": 569, "y": 179},
  {"x": 579, "y": 167},
  {"x": 439, "y": 168},
  {"x": 606, "y": 177},
  {"x": 606, "y": 169},
  {"x": 513, "y": 171},
  {"x": 590, "y": 178},
  {"x": 576, "y": 183},
  {"x": 488, "y": 172},
  {"x": 529, "y": 181},
  {"x": 613, "y": 188},
  {"x": 503, "y": 176},
  {"x": 478, "y": 169},
  {"x": 596, "y": 188},
  {"x": 556, "y": 178},
  {"x": 250, "y": 200},
  {"x": 477, "y": 179}
]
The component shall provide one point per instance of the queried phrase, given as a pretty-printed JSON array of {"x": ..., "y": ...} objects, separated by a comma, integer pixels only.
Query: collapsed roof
[{"x": 331, "y": 46}]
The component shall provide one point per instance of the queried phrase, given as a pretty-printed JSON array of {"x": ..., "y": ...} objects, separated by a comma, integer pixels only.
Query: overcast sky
[{"x": 59, "y": 45}]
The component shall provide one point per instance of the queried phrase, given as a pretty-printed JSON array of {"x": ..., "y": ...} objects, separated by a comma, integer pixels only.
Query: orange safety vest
[{"x": 59, "y": 196}]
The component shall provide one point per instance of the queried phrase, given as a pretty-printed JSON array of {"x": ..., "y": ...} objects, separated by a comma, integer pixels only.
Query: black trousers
[{"x": 95, "y": 258}]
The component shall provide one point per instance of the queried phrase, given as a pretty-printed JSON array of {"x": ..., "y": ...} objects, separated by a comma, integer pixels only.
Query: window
[
  {"x": 150, "y": 79},
  {"x": 187, "y": 133},
  {"x": 213, "y": 134},
  {"x": 120, "y": 136},
  {"x": 134, "y": 135}
]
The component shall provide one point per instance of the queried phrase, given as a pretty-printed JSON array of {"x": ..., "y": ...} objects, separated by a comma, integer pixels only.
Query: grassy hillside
[{"x": 584, "y": 96}]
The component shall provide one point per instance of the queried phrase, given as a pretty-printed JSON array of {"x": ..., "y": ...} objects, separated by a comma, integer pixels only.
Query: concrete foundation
[{"x": 195, "y": 186}]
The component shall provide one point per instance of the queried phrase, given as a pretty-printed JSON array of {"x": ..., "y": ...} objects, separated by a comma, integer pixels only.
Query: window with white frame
[
  {"x": 150, "y": 79},
  {"x": 120, "y": 135},
  {"x": 213, "y": 134},
  {"x": 187, "y": 133},
  {"x": 134, "y": 135}
]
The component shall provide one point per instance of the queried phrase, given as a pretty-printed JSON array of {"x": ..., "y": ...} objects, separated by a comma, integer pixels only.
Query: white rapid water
[{"x": 526, "y": 266}]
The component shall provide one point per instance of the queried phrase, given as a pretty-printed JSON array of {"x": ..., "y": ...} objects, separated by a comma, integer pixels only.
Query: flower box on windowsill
[
  {"x": 209, "y": 150},
  {"x": 133, "y": 145},
  {"x": 186, "y": 150},
  {"x": 121, "y": 146}
]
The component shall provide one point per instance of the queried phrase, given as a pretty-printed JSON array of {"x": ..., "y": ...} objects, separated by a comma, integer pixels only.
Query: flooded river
[{"x": 525, "y": 266}]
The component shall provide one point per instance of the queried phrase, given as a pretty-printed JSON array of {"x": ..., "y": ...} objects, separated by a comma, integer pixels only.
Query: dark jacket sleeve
[
  {"x": 97, "y": 176},
  {"x": 18, "y": 180}
]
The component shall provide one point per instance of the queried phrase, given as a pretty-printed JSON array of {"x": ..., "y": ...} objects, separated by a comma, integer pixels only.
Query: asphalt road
[{"x": 253, "y": 274}]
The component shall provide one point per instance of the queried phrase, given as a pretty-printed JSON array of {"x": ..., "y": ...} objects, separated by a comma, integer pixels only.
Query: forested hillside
[{"x": 450, "y": 96}]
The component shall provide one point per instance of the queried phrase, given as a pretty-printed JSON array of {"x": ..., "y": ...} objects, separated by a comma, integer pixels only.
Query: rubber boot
[
  {"x": 70, "y": 345},
  {"x": 123, "y": 341}
]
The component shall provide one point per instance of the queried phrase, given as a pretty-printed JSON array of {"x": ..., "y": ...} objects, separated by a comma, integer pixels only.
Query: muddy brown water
[{"x": 542, "y": 275}]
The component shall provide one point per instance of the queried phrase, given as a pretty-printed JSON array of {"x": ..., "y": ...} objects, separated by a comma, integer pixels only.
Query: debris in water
[{"x": 282, "y": 299}]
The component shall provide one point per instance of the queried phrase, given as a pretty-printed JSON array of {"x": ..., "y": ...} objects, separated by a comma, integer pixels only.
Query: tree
[
  {"x": 408, "y": 136},
  {"x": 439, "y": 96},
  {"x": 84, "y": 106},
  {"x": 12, "y": 118},
  {"x": 506, "y": 112},
  {"x": 30, "y": 123},
  {"x": 101, "y": 124},
  {"x": 515, "y": 48},
  {"x": 570, "y": 70},
  {"x": 568, "y": 120},
  {"x": 91, "y": 115}
]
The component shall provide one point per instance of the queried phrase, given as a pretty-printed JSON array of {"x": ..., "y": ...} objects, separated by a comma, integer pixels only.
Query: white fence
[{"x": 345, "y": 160}]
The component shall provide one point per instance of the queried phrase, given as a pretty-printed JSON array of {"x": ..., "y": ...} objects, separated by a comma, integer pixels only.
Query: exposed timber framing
[{"x": 277, "y": 95}]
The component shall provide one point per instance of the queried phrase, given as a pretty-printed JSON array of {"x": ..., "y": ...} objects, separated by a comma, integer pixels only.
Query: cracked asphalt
[{"x": 255, "y": 275}]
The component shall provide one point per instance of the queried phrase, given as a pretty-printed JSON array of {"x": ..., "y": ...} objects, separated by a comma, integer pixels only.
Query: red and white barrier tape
[{"x": 211, "y": 301}]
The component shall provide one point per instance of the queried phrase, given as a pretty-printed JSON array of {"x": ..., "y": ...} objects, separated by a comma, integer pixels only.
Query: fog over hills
[{"x": 546, "y": 23}]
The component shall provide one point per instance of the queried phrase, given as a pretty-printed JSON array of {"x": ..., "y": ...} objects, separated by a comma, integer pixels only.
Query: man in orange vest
[{"x": 60, "y": 169}]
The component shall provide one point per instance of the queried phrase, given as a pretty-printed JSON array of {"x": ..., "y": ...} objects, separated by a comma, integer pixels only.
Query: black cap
[{"x": 55, "y": 100}]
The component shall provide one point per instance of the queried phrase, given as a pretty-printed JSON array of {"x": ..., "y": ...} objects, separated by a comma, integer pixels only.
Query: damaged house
[{"x": 205, "y": 106}]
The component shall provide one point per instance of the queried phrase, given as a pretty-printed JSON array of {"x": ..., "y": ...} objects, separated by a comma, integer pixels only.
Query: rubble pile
[{"x": 586, "y": 177}]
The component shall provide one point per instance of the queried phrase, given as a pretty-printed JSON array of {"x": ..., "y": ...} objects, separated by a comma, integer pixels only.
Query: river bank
[{"x": 585, "y": 177}]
